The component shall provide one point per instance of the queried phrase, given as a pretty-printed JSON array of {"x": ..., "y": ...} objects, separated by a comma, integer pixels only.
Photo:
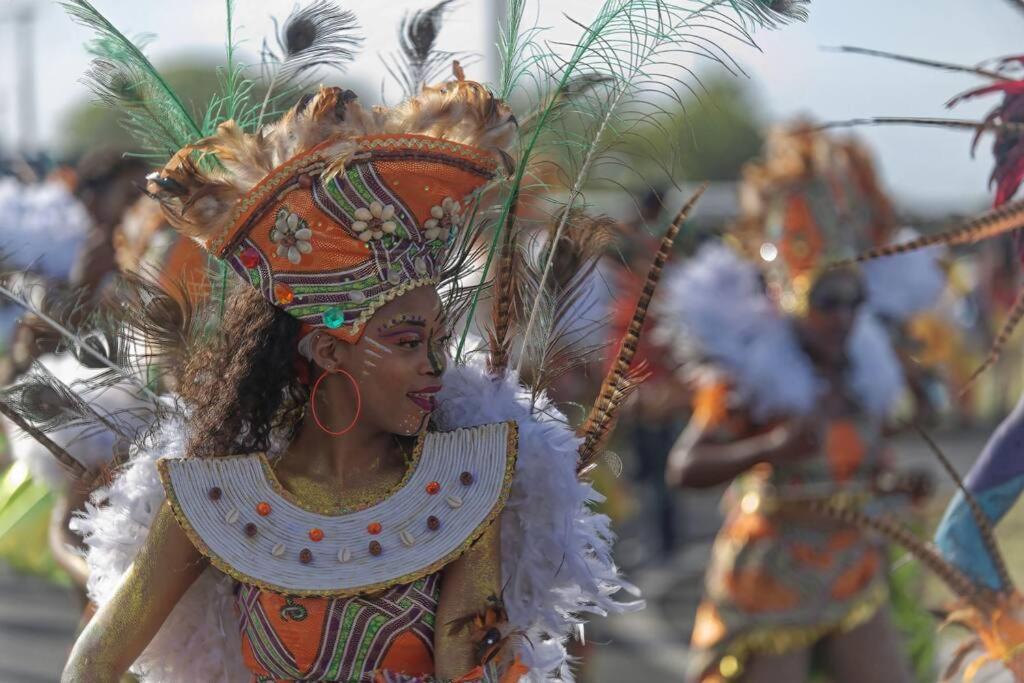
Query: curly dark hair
[{"x": 241, "y": 384}]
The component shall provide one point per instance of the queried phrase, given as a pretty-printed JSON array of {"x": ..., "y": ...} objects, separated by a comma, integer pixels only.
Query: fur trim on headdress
[
  {"x": 716, "y": 302},
  {"x": 556, "y": 551},
  {"x": 199, "y": 195}
]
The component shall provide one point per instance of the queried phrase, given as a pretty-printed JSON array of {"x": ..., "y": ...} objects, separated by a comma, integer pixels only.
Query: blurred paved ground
[{"x": 37, "y": 622}]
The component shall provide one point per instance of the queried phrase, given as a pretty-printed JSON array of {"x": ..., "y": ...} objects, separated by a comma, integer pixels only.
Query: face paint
[{"x": 377, "y": 345}]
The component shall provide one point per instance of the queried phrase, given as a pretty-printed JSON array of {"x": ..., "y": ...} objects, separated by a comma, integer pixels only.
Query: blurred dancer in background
[{"x": 796, "y": 375}]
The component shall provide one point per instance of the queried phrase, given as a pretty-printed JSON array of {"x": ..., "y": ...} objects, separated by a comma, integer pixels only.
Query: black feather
[
  {"x": 318, "y": 35},
  {"x": 418, "y": 62}
]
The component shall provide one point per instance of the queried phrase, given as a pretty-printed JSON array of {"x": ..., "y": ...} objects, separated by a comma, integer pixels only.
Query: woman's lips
[{"x": 425, "y": 399}]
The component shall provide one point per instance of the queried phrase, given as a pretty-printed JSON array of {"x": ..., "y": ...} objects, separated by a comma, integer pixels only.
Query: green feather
[
  {"x": 124, "y": 78},
  {"x": 632, "y": 55}
]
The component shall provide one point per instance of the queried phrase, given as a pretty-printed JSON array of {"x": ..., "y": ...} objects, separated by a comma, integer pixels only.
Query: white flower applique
[
  {"x": 292, "y": 235},
  {"x": 374, "y": 222},
  {"x": 442, "y": 222}
]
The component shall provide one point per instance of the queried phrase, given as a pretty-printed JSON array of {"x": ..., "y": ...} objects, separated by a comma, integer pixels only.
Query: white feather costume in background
[
  {"x": 556, "y": 551},
  {"x": 41, "y": 226},
  {"x": 716, "y": 302},
  {"x": 902, "y": 286}
]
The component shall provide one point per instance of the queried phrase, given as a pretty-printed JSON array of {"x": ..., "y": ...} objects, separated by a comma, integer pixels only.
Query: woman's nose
[{"x": 435, "y": 362}]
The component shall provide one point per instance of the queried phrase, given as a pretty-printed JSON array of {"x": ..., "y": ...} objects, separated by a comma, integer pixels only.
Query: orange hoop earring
[{"x": 359, "y": 402}]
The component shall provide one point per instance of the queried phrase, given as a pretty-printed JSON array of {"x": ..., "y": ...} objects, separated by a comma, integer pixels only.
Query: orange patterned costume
[
  {"x": 339, "y": 639},
  {"x": 776, "y": 581}
]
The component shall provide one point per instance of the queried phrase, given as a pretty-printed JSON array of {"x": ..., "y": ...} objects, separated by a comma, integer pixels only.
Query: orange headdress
[
  {"x": 334, "y": 211},
  {"x": 811, "y": 199}
]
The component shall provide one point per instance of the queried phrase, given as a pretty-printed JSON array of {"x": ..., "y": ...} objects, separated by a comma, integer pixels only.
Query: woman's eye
[{"x": 410, "y": 342}]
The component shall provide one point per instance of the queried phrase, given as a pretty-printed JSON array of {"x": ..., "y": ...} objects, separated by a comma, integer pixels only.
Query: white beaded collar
[{"x": 236, "y": 513}]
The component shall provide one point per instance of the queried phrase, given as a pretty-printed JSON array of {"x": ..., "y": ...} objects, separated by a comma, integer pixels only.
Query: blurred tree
[
  {"x": 718, "y": 132},
  {"x": 90, "y": 124},
  {"x": 709, "y": 136}
]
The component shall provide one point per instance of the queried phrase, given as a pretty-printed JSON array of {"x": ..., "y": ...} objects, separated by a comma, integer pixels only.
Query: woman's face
[
  {"x": 835, "y": 300},
  {"x": 398, "y": 362}
]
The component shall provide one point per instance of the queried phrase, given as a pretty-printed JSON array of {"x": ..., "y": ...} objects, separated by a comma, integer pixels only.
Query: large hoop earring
[{"x": 359, "y": 401}]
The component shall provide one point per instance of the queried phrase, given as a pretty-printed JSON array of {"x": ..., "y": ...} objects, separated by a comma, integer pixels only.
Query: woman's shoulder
[{"x": 237, "y": 513}]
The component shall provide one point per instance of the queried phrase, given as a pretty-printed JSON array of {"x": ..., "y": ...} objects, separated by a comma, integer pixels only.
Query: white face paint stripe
[
  {"x": 377, "y": 345},
  {"x": 369, "y": 364},
  {"x": 373, "y": 354}
]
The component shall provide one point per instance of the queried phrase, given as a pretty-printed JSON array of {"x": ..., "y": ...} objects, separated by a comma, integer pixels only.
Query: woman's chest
[
  {"x": 339, "y": 639},
  {"x": 848, "y": 454}
]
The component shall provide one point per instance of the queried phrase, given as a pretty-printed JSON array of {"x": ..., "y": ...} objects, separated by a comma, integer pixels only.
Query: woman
[
  {"x": 369, "y": 515},
  {"x": 366, "y": 547},
  {"x": 796, "y": 375}
]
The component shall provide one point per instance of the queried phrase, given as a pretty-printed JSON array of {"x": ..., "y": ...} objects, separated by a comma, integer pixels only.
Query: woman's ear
[{"x": 327, "y": 352}]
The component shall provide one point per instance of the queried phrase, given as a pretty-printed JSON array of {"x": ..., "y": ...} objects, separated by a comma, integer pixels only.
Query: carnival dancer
[{"x": 795, "y": 377}]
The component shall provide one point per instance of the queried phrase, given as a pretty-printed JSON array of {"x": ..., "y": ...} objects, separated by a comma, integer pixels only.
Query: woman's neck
[{"x": 360, "y": 460}]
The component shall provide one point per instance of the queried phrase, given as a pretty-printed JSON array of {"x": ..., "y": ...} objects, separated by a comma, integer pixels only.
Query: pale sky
[{"x": 792, "y": 75}]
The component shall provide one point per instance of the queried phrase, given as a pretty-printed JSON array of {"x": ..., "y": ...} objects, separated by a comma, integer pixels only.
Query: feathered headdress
[
  {"x": 810, "y": 199},
  {"x": 333, "y": 211},
  {"x": 1006, "y": 122}
]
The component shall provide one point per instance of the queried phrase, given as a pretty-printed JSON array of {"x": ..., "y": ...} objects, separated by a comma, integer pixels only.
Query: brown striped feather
[
  {"x": 995, "y": 222},
  {"x": 504, "y": 297},
  {"x": 980, "y": 519},
  {"x": 618, "y": 383},
  {"x": 961, "y": 584},
  {"x": 1005, "y": 332}
]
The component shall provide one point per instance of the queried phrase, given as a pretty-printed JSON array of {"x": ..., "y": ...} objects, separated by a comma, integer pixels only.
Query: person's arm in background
[
  {"x": 705, "y": 456},
  {"x": 63, "y": 542}
]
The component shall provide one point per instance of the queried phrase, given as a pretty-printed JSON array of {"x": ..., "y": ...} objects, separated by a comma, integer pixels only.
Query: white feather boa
[
  {"x": 199, "y": 641},
  {"x": 556, "y": 552},
  {"x": 715, "y": 305}
]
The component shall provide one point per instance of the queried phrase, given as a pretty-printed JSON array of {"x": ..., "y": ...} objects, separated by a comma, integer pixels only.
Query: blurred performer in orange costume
[{"x": 796, "y": 375}]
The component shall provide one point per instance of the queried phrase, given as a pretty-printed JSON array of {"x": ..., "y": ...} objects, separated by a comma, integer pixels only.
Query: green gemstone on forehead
[{"x": 334, "y": 317}]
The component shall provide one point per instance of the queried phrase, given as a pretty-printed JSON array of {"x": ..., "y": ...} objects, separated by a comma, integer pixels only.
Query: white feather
[
  {"x": 556, "y": 552},
  {"x": 717, "y": 304},
  {"x": 903, "y": 285},
  {"x": 199, "y": 641},
  {"x": 876, "y": 376}
]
